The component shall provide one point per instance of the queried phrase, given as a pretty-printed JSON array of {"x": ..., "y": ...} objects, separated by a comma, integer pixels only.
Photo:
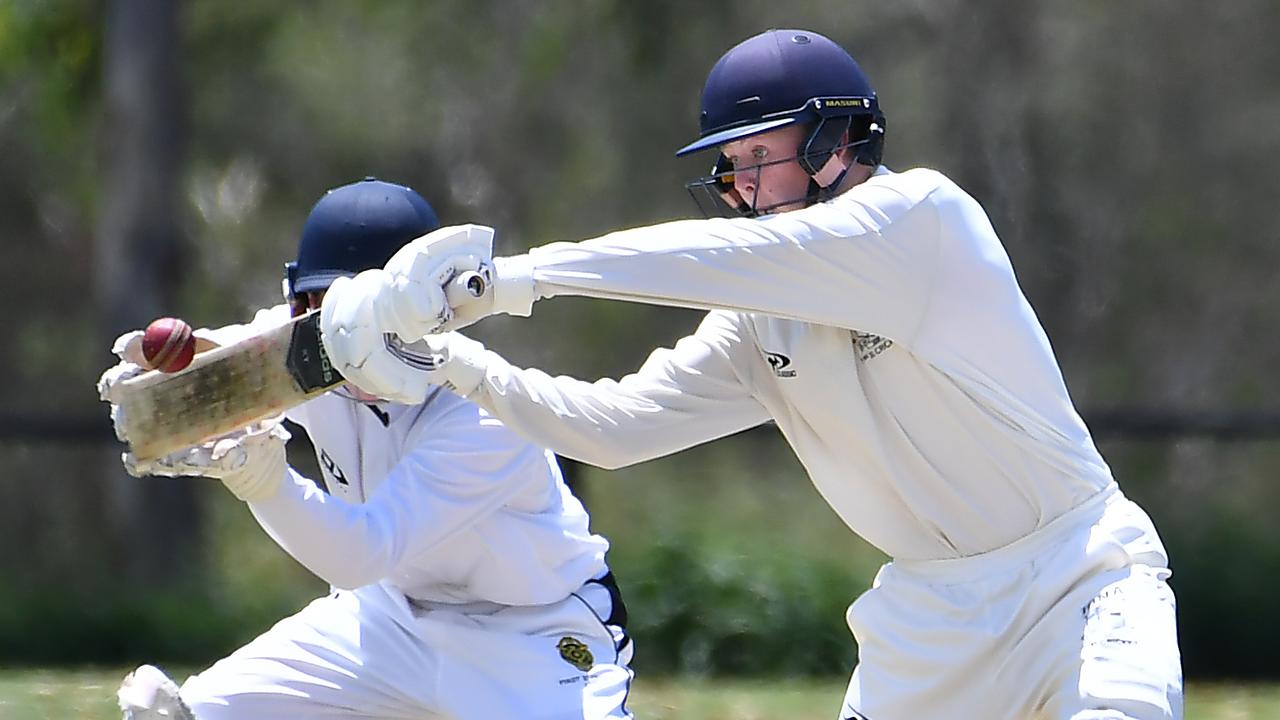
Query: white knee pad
[{"x": 148, "y": 694}]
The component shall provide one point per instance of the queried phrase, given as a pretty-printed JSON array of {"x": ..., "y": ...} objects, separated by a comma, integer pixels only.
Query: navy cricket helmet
[
  {"x": 353, "y": 228},
  {"x": 788, "y": 77}
]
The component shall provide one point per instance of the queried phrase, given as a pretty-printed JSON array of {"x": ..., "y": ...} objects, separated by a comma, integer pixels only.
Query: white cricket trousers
[
  {"x": 1075, "y": 621},
  {"x": 369, "y": 654}
]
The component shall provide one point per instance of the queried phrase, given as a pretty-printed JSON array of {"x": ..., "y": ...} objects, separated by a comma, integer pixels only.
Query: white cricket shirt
[
  {"x": 884, "y": 332},
  {"x": 439, "y": 499}
]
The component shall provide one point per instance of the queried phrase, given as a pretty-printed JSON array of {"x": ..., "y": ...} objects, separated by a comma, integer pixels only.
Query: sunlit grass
[{"x": 89, "y": 694}]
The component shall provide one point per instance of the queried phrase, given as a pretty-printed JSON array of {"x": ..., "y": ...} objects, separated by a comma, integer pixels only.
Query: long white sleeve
[
  {"x": 680, "y": 397},
  {"x": 462, "y": 468},
  {"x": 865, "y": 260}
]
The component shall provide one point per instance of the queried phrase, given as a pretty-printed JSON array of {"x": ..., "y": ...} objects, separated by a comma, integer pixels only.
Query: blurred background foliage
[{"x": 158, "y": 157}]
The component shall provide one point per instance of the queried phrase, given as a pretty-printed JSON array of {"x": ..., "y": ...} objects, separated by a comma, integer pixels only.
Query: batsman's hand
[
  {"x": 423, "y": 289},
  {"x": 380, "y": 363},
  {"x": 251, "y": 462},
  {"x": 128, "y": 348},
  {"x": 423, "y": 294},
  {"x": 112, "y": 377},
  {"x": 410, "y": 298}
]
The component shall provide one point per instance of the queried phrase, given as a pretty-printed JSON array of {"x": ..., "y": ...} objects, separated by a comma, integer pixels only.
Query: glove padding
[
  {"x": 439, "y": 258},
  {"x": 251, "y": 461},
  {"x": 451, "y": 360},
  {"x": 379, "y": 362},
  {"x": 411, "y": 298}
]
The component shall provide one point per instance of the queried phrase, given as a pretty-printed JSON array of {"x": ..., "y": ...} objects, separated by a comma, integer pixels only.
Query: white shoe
[{"x": 148, "y": 694}]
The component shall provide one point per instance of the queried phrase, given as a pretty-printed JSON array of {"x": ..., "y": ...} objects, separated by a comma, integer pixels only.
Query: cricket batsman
[
  {"x": 467, "y": 584},
  {"x": 875, "y": 317}
]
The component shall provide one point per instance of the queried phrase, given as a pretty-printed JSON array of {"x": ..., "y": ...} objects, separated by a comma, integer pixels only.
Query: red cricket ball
[{"x": 168, "y": 344}]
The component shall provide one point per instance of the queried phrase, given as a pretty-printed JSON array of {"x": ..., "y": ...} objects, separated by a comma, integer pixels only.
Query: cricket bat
[
  {"x": 225, "y": 388},
  {"x": 228, "y": 387}
]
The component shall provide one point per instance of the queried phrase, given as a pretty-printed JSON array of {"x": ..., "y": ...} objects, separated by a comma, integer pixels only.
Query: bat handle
[{"x": 465, "y": 288}]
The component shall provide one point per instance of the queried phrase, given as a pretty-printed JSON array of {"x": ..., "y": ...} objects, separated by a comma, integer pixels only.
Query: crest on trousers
[{"x": 576, "y": 653}]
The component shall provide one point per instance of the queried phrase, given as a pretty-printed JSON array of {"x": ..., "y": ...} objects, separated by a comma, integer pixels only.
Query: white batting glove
[
  {"x": 438, "y": 258},
  {"x": 250, "y": 462},
  {"x": 127, "y": 347},
  {"x": 411, "y": 300},
  {"x": 378, "y": 302},
  {"x": 381, "y": 364},
  {"x": 451, "y": 360},
  {"x": 357, "y": 338}
]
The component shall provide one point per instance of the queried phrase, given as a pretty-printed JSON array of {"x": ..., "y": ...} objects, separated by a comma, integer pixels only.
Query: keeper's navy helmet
[
  {"x": 788, "y": 77},
  {"x": 353, "y": 228}
]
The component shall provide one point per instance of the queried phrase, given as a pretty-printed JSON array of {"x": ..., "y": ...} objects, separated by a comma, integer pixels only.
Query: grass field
[{"x": 89, "y": 695}]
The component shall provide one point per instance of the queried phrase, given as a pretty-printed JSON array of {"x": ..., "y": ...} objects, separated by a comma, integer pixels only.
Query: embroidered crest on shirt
[
  {"x": 869, "y": 346},
  {"x": 780, "y": 363},
  {"x": 576, "y": 653}
]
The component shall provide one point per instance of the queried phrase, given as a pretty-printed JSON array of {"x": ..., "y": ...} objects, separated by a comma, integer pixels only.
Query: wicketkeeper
[
  {"x": 875, "y": 317},
  {"x": 466, "y": 581}
]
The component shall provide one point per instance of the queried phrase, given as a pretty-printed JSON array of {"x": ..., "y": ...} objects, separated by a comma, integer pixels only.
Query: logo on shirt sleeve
[{"x": 781, "y": 364}]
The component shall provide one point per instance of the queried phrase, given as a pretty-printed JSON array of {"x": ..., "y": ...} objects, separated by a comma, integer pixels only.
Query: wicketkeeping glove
[{"x": 251, "y": 462}]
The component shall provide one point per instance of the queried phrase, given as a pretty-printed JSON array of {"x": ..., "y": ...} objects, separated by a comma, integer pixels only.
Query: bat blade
[
  {"x": 229, "y": 387},
  {"x": 225, "y": 389}
]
